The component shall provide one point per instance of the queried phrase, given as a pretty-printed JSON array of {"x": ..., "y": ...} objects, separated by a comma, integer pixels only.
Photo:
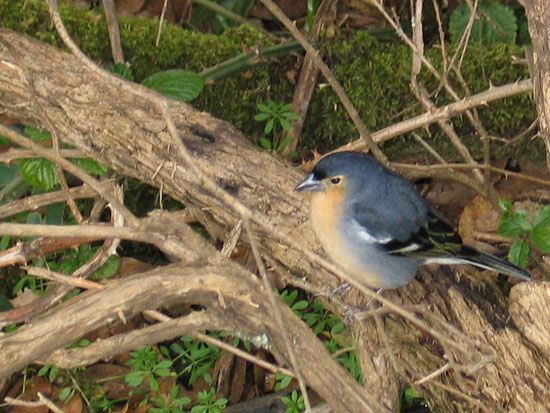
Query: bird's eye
[{"x": 335, "y": 181}]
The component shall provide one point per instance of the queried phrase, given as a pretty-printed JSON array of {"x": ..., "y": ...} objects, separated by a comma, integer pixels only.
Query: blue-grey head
[{"x": 350, "y": 170}]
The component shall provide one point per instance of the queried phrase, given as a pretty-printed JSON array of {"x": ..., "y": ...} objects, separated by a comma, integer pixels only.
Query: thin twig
[
  {"x": 445, "y": 112},
  {"x": 42, "y": 401},
  {"x": 34, "y": 202},
  {"x": 114, "y": 33},
  {"x": 329, "y": 76},
  {"x": 161, "y": 22},
  {"x": 277, "y": 313},
  {"x": 467, "y": 166},
  {"x": 53, "y": 156}
]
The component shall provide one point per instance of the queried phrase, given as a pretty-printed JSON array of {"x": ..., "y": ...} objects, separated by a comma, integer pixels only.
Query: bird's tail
[{"x": 490, "y": 262}]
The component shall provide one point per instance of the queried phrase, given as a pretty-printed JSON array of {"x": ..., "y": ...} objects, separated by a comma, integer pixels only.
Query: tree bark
[
  {"x": 498, "y": 367},
  {"x": 538, "y": 17}
]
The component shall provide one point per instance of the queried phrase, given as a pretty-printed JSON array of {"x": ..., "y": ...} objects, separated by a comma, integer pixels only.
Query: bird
[{"x": 375, "y": 225}]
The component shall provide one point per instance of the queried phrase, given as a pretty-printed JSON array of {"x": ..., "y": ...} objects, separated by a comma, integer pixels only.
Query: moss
[{"x": 375, "y": 74}]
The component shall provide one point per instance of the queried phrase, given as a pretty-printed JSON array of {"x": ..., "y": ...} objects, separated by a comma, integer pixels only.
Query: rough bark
[
  {"x": 500, "y": 367},
  {"x": 538, "y": 17}
]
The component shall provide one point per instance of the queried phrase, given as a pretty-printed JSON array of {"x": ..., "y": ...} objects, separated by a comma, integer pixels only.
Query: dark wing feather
[{"x": 435, "y": 238}]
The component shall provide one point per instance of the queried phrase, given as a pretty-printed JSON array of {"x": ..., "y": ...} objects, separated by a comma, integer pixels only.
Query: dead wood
[
  {"x": 538, "y": 16},
  {"x": 497, "y": 368}
]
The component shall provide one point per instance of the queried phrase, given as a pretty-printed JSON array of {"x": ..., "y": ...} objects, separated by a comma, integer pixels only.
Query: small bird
[{"x": 377, "y": 227}]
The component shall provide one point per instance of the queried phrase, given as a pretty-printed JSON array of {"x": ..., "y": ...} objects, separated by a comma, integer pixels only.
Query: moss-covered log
[{"x": 376, "y": 74}]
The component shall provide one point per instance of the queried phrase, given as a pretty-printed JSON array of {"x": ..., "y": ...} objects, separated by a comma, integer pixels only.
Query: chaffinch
[{"x": 377, "y": 227}]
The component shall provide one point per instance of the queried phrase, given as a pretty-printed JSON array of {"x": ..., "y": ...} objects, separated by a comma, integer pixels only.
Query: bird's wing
[
  {"x": 396, "y": 217},
  {"x": 390, "y": 212},
  {"x": 434, "y": 238}
]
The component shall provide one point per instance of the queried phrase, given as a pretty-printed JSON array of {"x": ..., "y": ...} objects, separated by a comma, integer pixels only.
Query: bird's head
[{"x": 338, "y": 172}]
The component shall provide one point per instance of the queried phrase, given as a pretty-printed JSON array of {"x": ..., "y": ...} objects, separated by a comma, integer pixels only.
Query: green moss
[{"x": 375, "y": 74}]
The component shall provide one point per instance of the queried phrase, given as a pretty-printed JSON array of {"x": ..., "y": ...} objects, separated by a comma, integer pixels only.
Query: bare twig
[
  {"x": 161, "y": 22},
  {"x": 71, "y": 168},
  {"x": 452, "y": 166},
  {"x": 446, "y": 112},
  {"x": 277, "y": 313},
  {"x": 34, "y": 202},
  {"x": 114, "y": 33},
  {"x": 336, "y": 86},
  {"x": 42, "y": 401}
]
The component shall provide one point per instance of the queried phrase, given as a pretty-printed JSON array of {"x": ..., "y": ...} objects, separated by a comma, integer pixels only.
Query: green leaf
[
  {"x": 36, "y": 135},
  {"x": 108, "y": 269},
  {"x": 541, "y": 237},
  {"x": 261, "y": 117},
  {"x": 542, "y": 219},
  {"x": 291, "y": 116},
  {"x": 134, "y": 378},
  {"x": 269, "y": 126},
  {"x": 39, "y": 173},
  {"x": 265, "y": 144},
  {"x": 493, "y": 23},
  {"x": 122, "y": 70},
  {"x": 519, "y": 253},
  {"x": 4, "y": 242},
  {"x": 66, "y": 393},
  {"x": 285, "y": 124},
  {"x": 263, "y": 108},
  {"x": 514, "y": 225},
  {"x": 177, "y": 84},
  {"x": 282, "y": 381},
  {"x": 91, "y": 167},
  {"x": 153, "y": 383}
]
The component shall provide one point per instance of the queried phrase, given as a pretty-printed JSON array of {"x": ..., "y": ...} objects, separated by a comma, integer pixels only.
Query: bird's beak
[{"x": 310, "y": 184}]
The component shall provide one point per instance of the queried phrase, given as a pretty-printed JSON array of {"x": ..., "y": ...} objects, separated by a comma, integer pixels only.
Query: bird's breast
[{"x": 327, "y": 222}]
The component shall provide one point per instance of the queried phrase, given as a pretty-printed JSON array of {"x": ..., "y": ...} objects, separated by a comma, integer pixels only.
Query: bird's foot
[{"x": 340, "y": 290}]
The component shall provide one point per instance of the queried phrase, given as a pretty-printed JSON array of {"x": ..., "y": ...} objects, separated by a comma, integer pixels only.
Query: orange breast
[{"x": 326, "y": 213}]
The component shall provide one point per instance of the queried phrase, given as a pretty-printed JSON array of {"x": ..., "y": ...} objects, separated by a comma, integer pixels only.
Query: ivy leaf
[
  {"x": 177, "y": 84},
  {"x": 39, "y": 173},
  {"x": 494, "y": 23},
  {"x": 519, "y": 253},
  {"x": 91, "y": 167}
]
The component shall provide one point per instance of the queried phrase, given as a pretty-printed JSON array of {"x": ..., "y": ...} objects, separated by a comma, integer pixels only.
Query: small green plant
[
  {"x": 197, "y": 358},
  {"x": 277, "y": 118},
  {"x": 146, "y": 365},
  {"x": 299, "y": 307},
  {"x": 527, "y": 232},
  {"x": 294, "y": 403},
  {"x": 207, "y": 403},
  {"x": 50, "y": 371},
  {"x": 171, "y": 404},
  {"x": 282, "y": 381},
  {"x": 493, "y": 23},
  {"x": 320, "y": 319}
]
